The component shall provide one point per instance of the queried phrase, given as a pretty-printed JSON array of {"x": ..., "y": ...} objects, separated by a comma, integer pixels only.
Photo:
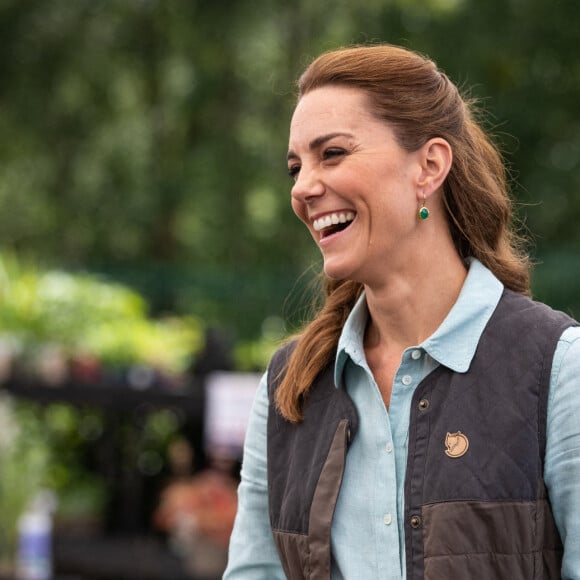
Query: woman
[{"x": 423, "y": 425}]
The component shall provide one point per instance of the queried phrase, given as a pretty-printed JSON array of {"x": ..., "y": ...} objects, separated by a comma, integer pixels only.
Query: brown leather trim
[
  {"x": 295, "y": 549},
  {"x": 324, "y": 502},
  {"x": 477, "y": 540}
]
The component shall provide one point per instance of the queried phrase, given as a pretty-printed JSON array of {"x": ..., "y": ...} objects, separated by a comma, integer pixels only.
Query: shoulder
[
  {"x": 278, "y": 364},
  {"x": 534, "y": 327},
  {"x": 282, "y": 355},
  {"x": 519, "y": 304},
  {"x": 566, "y": 364},
  {"x": 571, "y": 336},
  {"x": 528, "y": 320}
]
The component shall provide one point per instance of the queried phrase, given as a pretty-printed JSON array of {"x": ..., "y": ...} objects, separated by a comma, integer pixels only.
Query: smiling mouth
[{"x": 333, "y": 223}]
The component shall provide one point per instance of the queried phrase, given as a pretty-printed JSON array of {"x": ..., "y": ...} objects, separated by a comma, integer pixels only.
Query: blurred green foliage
[
  {"x": 72, "y": 317},
  {"x": 40, "y": 449},
  {"x": 146, "y": 139},
  {"x": 82, "y": 315},
  {"x": 45, "y": 447}
]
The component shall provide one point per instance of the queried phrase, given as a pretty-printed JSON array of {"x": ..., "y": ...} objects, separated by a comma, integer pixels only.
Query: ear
[{"x": 435, "y": 159}]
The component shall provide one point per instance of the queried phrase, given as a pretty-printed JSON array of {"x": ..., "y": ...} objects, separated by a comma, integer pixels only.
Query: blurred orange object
[{"x": 203, "y": 505}]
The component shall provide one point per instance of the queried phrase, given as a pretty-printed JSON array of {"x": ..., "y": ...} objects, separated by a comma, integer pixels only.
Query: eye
[
  {"x": 332, "y": 152},
  {"x": 293, "y": 171}
]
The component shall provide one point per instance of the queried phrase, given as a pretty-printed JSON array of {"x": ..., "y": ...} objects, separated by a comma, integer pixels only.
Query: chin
[{"x": 338, "y": 272}]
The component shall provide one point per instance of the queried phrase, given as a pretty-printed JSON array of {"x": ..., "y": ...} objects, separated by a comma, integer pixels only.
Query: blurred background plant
[
  {"x": 52, "y": 325},
  {"x": 81, "y": 314},
  {"x": 78, "y": 330},
  {"x": 39, "y": 449}
]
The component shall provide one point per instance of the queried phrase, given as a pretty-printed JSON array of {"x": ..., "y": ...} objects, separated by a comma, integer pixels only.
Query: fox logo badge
[{"x": 457, "y": 444}]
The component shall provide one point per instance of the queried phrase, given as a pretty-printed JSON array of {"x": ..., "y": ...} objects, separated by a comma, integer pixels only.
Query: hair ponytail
[{"x": 316, "y": 346}]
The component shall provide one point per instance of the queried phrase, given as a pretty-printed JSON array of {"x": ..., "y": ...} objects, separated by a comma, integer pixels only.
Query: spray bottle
[{"x": 34, "y": 556}]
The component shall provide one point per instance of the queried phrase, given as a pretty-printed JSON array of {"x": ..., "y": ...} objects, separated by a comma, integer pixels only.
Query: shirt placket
[{"x": 408, "y": 376}]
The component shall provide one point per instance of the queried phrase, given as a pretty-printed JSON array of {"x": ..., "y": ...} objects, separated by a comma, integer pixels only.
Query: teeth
[{"x": 332, "y": 219}]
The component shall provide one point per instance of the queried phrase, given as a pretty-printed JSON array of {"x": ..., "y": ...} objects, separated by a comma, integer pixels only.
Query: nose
[{"x": 308, "y": 186}]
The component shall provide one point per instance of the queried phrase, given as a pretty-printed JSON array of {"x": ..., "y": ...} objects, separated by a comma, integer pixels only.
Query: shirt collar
[
  {"x": 454, "y": 343},
  {"x": 351, "y": 341}
]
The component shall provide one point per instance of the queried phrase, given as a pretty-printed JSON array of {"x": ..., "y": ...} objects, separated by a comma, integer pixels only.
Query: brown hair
[{"x": 419, "y": 102}]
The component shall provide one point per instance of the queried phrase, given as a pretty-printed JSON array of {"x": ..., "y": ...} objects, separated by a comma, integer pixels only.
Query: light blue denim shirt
[{"x": 367, "y": 530}]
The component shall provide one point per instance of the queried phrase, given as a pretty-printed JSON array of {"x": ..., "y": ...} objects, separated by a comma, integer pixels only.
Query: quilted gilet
[{"x": 475, "y": 502}]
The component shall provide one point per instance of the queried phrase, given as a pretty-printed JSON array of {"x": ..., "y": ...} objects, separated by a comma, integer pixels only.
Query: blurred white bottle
[{"x": 34, "y": 556}]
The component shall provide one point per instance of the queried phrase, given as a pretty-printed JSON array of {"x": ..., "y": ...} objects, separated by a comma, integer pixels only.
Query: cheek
[{"x": 300, "y": 210}]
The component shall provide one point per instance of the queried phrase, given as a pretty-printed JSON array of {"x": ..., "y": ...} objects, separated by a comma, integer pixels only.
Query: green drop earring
[{"x": 423, "y": 211}]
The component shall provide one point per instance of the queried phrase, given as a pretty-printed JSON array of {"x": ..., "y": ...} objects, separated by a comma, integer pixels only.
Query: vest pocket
[{"x": 490, "y": 540}]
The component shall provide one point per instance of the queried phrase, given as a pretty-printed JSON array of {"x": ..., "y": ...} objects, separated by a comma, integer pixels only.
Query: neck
[{"x": 411, "y": 303}]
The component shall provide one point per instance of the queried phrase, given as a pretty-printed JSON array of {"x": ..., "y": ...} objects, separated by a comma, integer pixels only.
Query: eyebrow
[{"x": 318, "y": 141}]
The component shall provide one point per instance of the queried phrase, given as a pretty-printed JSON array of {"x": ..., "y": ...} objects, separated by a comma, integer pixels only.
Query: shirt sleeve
[
  {"x": 252, "y": 552},
  {"x": 562, "y": 462}
]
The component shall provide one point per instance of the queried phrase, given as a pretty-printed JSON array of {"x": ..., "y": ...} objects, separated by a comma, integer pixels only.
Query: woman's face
[{"x": 354, "y": 187}]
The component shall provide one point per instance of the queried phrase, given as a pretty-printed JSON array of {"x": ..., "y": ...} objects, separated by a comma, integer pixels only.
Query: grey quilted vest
[{"x": 475, "y": 502}]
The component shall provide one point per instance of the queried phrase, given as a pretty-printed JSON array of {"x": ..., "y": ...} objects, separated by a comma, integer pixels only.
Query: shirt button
[
  {"x": 388, "y": 519},
  {"x": 416, "y": 355},
  {"x": 407, "y": 380},
  {"x": 389, "y": 447}
]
